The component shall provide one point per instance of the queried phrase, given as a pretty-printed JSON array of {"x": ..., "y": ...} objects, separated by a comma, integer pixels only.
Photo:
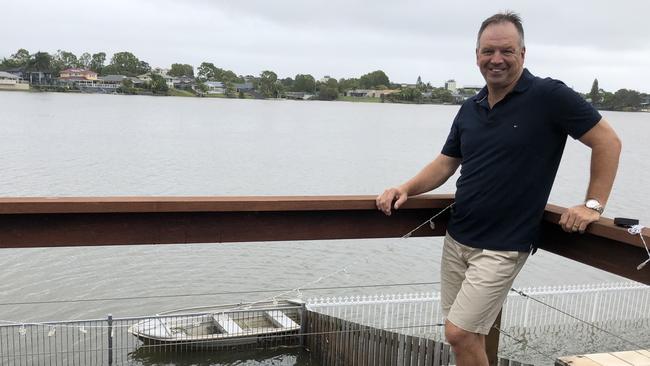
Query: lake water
[{"x": 56, "y": 144}]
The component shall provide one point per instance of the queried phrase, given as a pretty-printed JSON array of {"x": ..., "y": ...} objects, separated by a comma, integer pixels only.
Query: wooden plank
[
  {"x": 437, "y": 354},
  {"x": 384, "y": 359},
  {"x": 408, "y": 343},
  {"x": 446, "y": 354},
  {"x": 633, "y": 357},
  {"x": 339, "y": 342},
  {"x": 328, "y": 340},
  {"x": 128, "y": 224},
  {"x": 400, "y": 350},
  {"x": 645, "y": 352},
  {"x": 355, "y": 345},
  {"x": 280, "y": 319},
  {"x": 373, "y": 359},
  {"x": 577, "y": 361},
  {"x": 415, "y": 351},
  {"x": 37, "y": 205},
  {"x": 226, "y": 324},
  {"x": 395, "y": 349},
  {"x": 607, "y": 359},
  {"x": 365, "y": 346},
  {"x": 422, "y": 351},
  {"x": 429, "y": 354}
]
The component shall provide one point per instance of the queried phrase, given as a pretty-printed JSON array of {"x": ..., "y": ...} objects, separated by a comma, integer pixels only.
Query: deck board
[
  {"x": 634, "y": 358},
  {"x": 625, "y": 358}
]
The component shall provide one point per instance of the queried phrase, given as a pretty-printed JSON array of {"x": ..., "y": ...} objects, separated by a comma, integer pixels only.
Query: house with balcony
[{"x": 12, "y": 82}]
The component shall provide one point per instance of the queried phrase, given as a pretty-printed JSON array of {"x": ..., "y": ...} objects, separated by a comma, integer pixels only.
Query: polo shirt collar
[{"x": 524, "y": 82}]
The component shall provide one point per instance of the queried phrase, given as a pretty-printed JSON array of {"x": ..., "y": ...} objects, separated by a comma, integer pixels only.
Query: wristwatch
[{"x": 594, "y": 205}]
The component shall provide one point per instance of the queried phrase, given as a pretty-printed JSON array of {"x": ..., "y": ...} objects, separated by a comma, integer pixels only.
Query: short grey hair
[{"x": 505, "y": 17}]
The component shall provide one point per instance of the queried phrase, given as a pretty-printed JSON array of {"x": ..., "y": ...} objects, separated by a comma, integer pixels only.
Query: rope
[
  {"x": 638, "y": 346},
  {"x": 342, "y": 270},
  {"x": 638, "y": 229}
]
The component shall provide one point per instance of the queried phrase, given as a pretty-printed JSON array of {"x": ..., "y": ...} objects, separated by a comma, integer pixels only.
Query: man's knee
[{"x": 458, "y": 337}]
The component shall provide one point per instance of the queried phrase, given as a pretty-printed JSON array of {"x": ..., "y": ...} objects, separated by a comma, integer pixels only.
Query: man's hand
[
  {"x": 577, "y": 218},
  {"x": 384, "y": 201}
]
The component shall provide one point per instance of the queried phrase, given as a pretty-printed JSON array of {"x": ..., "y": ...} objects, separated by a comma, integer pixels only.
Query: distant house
[
  {"x": 298, "y": 95},
  {"x": 369, "y": 93},
  {"x": 184, "y": 82},
  {"x": 168, "y": 79},
  {"x": 215, "y": 87},
  {"x": 76, "y": 74},
  {"x": 32, "y": 76},
  {"x": 119, "y": 79},
  {"x": 244, "y": 87},
  {"x": 12, "y": 82}
]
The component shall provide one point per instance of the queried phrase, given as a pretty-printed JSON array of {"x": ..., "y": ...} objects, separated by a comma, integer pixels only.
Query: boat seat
[
  {"x": 226, "y": 324},
  {"x": 280, "y": 320}
]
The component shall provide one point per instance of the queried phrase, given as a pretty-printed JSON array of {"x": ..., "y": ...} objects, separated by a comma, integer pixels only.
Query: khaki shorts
[{"x": 475, "y": 282}]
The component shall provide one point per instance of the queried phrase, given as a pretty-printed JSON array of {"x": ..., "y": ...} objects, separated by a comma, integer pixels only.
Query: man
[{"x": 509, "y": 140}]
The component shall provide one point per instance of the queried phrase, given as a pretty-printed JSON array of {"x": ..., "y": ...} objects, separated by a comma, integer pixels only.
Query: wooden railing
[{"x": 54, "y": 222}]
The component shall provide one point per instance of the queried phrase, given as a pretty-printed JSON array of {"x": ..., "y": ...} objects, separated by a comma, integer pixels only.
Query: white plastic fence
[{"x": 419, "y": 313}]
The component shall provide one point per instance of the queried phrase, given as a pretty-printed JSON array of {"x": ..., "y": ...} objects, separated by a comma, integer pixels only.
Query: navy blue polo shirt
[{"x": 509, "y": 158}]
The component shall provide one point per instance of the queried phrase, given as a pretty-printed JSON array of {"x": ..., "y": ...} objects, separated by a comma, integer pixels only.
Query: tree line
[
  {"x": 621, "y": 100},
  {"x": 267, "y": 83}
]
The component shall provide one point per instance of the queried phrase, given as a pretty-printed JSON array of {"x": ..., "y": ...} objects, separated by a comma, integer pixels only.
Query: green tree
[
  {"x": 84, "y": 60},
  {"x": 158, "y": 84},
  {"x": 18, "y": 59},
  {"x": 267, "y": 84},
  {"x": 441, "y": 95},
  {"x": 594, "y": 94},
  {"x": 229, "y": 89},
  {"x": 348, "y": 84},
  {"x": 207, "y": 71},
  {"x": 328, "y": 90},
  {"x": 97, "y": 61},
  {"x": 126, "y": 87},
  {"x": 40, "y": 61},
  {"x": 304, "y": 83},
  {"x": 373, "y": 79},
  {"x": 126, "y": 63},
  {"x": 287, "y": 83},
  {"x": 66, "y": 59},
  {"x": 181, "y": 70},
  {"x": 407, "y": 95},
  {"x": 624, "y": 100},
  {"x": 202, "y": 87}
]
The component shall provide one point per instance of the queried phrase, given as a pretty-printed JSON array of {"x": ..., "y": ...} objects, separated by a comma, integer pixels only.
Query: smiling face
[{"x": 500, "y": 56}]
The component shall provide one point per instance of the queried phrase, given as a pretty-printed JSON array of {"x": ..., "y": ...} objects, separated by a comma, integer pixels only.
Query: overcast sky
[{"x": 574, "y": 41}]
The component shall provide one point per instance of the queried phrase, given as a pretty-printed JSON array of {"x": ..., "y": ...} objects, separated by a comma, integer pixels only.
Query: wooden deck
[{"x": 627, "y": 358}]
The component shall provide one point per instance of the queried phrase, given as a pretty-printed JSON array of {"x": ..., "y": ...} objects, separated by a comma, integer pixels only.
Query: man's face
[{"x": 500, "y": 56}]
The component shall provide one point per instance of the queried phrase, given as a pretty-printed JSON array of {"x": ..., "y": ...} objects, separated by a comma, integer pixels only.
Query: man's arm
[
  {"x": 432, "y": 176},
  {"x": 605, "y": 151}
]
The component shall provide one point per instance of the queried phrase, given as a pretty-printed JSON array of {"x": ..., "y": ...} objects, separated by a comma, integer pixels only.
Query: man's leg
[
  {"x": 488, "y": 279},
  {"x": 469, "y": 348}
]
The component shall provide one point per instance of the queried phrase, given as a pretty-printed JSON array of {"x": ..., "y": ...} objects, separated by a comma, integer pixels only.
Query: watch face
[{"x": 594, "y": 205}]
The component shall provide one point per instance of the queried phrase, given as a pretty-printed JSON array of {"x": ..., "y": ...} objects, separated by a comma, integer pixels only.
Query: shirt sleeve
[
  {"x": 570, "y": 111},
  {"x": 452, "y": 145}
]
